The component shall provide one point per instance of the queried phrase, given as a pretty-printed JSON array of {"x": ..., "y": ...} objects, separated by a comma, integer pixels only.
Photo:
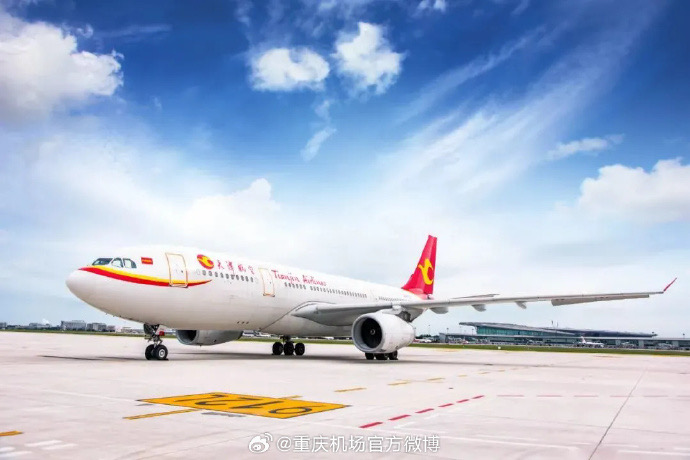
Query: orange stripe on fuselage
[{"x": 138, "y": 279}]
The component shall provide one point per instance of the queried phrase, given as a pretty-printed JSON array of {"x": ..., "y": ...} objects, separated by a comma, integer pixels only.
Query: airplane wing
[{"x": 345, "y": 314}]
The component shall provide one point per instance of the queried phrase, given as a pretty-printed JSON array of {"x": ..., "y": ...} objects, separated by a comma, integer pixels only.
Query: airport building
[
  {"x": 525, "y": 335},
  {"x": 74, "y": 325}
]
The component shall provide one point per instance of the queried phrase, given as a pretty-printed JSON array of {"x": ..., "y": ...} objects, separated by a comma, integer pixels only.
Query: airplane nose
[{"x": 77, "y": 282}]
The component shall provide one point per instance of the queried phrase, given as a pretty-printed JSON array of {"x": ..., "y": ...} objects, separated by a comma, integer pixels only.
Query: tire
[
  {"x": 289, "y": 348},
  {"x": 149, "y": 352},
  {"x": 369, "y": 356},
  {"x": 277, "y": 348},
  {"x": 380, "y": 356},
  {"x": 160, "y": 353},
  {"x": 299, "y": 349},
  {"x": 393, "y": 356}
]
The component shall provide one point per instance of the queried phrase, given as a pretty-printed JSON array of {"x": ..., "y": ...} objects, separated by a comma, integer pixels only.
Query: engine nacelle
[
  {"x": 381, "y": 333},
  {"x": 193, "y": 337}
]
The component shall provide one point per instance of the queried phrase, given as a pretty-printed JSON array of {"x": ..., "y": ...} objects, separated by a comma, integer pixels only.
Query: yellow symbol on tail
[{"x": 425, "y": 271}]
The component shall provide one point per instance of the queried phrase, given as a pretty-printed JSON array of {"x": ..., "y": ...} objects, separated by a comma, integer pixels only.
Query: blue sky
[{"x": 545, "y": 143}]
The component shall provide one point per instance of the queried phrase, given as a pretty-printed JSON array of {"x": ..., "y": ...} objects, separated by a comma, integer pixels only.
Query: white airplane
[
  {"x": 586, "y": 343},
  {"x": 211, "y": 297}
]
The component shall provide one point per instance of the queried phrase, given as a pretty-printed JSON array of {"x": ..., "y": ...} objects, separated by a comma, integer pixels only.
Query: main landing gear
[
  {"x": 382, "y": 356},
  {"x": 156, "y": 350},
  {"x": 288, "y": 347}
]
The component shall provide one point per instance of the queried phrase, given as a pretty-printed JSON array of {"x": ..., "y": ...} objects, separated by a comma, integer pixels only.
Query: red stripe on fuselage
[{"x": 135, "y": 279}]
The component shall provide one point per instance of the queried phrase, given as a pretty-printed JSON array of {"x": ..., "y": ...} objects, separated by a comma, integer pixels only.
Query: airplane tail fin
[{"x": 422, "y": 280}]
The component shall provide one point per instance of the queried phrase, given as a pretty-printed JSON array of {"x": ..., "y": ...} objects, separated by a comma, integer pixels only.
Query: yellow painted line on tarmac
[
  {"x": 290, "y": 397},
  {"x": 11, "y": 433},
  {"x": 435, "y": 379},
  {"x": 404, "y": 382},
  {"x": 344, "y": 390},
  {"x": 158, "y": 414},
  {"x": 462, "y": 375},
  {"x": 485, "y": 372},
  {"x": 262, "y": 406}
]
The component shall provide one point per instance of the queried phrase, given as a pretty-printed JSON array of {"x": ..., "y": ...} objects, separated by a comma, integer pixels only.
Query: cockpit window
[
  {"x": 129, "y": 263},
  {"x": 117, "y": 262},
  {"x": 102, "y": 261}
]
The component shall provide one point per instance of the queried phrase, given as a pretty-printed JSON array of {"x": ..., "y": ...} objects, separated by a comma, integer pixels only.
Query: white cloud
[
  {"x": 588, "y": 144},
  {"x": 443, "y": 85},
  {"x": 367, "y": 59},
  {"x": 136, "y": 32},
  {"x": 661, "y": 195},
  {"x": 314, "y": 145},
  {"x": 284, "y": 69},
  {"x": 42, "y": 70},
  {"x": 438, "y": 5},
  {"x": 323, "y": 110}
]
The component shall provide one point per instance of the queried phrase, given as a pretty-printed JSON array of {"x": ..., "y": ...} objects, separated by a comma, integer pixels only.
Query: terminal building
[{"x": 526, "y": 335}]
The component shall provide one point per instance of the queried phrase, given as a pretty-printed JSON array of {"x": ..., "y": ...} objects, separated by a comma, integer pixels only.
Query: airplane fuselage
[{"x": 186, "y": 288}]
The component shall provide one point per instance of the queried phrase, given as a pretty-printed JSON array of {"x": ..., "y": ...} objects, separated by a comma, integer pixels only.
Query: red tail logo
[{"x": 422, "y": 280}]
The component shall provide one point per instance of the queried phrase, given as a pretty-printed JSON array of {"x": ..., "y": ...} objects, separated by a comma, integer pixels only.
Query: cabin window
[
  {"x": 129, "y": 263},
  {"x": 102, "y": 261},
  {"x": 117, "y": 262}
]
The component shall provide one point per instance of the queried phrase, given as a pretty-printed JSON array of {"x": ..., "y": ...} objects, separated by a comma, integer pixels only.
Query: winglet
[{"x": 669, "y": 284}]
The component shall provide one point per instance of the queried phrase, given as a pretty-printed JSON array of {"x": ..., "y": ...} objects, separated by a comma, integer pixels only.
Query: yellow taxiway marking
[
  {"x": 157, "y": 414},
  {"x": 435, "y": 379},
  {"x": 290, "y": 397},
  {"x": 247, "y": 404},
  {"x": 350, "y": 389},
  {"x": 11, "y": 433},
  {"x": 404, "y": 382},
  {"x": 462, "y": 375}
]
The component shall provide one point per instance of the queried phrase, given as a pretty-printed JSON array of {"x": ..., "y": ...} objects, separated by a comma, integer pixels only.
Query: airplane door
[
  {"x": 177, "y": 270},
  {"x": 269, "y": 288}
]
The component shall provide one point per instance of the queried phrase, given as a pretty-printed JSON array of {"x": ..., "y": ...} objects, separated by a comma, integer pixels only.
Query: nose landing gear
[{"x": 156, "y": 350}]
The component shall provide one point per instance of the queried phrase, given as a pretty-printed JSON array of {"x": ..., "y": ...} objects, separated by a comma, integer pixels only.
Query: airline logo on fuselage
[
  {"x": 205, "y": 261},
  {"x": 425, "y": 272}
]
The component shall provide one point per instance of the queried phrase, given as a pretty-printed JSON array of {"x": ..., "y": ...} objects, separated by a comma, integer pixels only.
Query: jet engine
[
  {"x": 193, "y": 337},
  {"x": 381, "y": 333}
]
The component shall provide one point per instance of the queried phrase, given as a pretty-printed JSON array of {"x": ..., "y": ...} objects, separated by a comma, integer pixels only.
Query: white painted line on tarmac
[
  {"x": 61, "y": 446},
  {"x": 397, "y": 427},
  {"x": 653, "y": 452},
  {"x": 511, "y": 443},
  {"x": 15, "y": 454},
  {"x": 428, "y": 431},
  {"x": 6, "y": 449},
  {"x": 506, "y": 437},
  {"x": 43, "y": 443}
]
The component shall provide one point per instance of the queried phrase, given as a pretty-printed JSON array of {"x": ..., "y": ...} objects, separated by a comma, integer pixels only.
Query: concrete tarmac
[{"x": 76, "y": 396}]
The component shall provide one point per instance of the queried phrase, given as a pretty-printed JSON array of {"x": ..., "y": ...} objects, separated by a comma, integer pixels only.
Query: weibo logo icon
[{"x": 204, "y": 261}]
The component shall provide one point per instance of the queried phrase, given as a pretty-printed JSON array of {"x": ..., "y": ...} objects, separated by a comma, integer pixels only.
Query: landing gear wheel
[
  {"x": 160, "y": 353},
  {"x": 369, "y": 356},
  {"x": 393, "y": 356},
  {"x": 277, "y": 348},
  {"x": 289, "y": 348},
  {"x": 380, "y": 356},
  {"x": 299, "y": 349},
  {"x": 155, "y": 350}
]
